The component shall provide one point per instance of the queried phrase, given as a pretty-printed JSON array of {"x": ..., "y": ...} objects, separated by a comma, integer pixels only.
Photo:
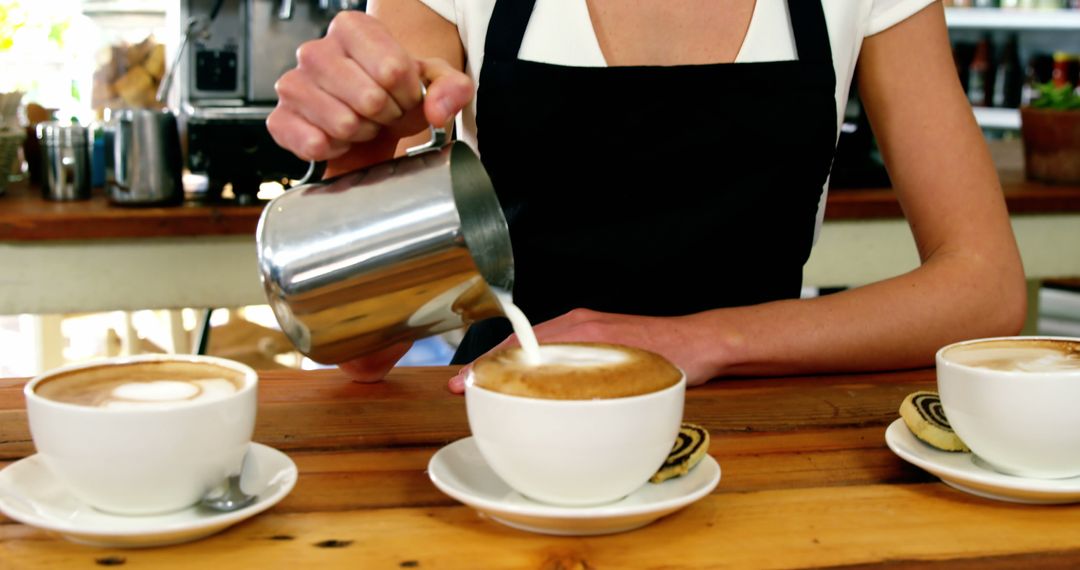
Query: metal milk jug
[{"x": 398, "y": 251}]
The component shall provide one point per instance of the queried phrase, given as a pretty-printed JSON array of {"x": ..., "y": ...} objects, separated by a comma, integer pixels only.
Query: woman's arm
[{"x": 970, "y": 282}]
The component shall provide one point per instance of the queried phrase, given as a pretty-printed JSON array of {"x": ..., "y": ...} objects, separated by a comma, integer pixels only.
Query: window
[{"x": 50, "y": 50}]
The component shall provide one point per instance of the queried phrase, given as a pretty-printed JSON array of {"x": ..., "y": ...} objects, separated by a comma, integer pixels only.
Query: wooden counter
[
  {"x": 808, "y": 482},
  {"x": 25, "y": 216},
  {"x": 1022, "y": 197}
]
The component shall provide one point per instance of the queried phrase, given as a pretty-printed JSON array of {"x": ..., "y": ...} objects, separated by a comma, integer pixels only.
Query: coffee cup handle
[{"x": 438, "y": 140}]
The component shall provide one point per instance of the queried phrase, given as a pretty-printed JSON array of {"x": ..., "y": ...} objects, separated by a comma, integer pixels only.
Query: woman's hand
[
  {"x": 373, "y": 367},
  {"x": 670, "y": 337},
  {"x": 356, "y": 92},
  {"x": 358, "y": 84}
]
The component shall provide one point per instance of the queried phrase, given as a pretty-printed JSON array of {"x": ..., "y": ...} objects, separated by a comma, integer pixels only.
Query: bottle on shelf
[
  {"x": 980, "y": 81},
  {"x": 1040, "y": 70},
  {"x": 963, "y": 53},
  {"x": 1066, "y": 69},
  {"x": 1009, "y": 77}
]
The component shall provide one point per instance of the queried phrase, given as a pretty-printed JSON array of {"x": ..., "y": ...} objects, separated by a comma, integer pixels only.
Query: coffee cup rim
[
  {"x": 680, "y": 384},
  {"x": 940, "y": 358},
  {"x": 250, "y": 376}
]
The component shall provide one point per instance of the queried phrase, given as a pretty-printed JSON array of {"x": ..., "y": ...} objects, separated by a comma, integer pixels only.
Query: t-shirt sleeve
[
  {"x": 885, "y": 14},
  {"x": 444, "y": 8}
]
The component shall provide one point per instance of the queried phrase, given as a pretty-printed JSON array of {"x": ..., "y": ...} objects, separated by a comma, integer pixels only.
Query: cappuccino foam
[
  {"x": 145, "y": 385},
  {"x": 1036, "y": 355},
  {"x": 575, "y": 371}
]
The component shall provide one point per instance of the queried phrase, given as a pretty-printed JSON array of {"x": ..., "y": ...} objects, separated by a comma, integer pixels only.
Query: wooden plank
[
  {"x": 26, "y": 216},
  {"x": 1052, "y": 560},
  {"x": 1022, "y": 197},
  {"x": 814, "y": 528}
]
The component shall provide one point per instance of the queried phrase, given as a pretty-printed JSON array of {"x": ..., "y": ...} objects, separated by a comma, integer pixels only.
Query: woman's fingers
[
  {"x": 331, "y": 99},
  {"x": 307, "y": 141},
  {"x": 354, "y": 83},
  {"x": 457, "y": 383},
  {"x": 324, "y": 111},
  {"x": 379, "y": 56},
  {"x": 373, "y": 367},
  {"x": 346, "y": 81},
  {"x": 449, "y": 91}
]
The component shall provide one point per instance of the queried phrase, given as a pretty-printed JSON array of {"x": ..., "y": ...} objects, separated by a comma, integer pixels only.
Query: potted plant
[{"x": 1050, "y": 127}]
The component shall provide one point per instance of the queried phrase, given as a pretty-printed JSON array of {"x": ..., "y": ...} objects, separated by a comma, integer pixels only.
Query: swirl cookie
[
  {"x": 924, "y": 416},
  {"x": 691, "y": 445}
]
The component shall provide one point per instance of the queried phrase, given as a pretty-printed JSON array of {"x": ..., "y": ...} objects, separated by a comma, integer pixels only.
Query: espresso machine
[{"x": 236, "y": 50}]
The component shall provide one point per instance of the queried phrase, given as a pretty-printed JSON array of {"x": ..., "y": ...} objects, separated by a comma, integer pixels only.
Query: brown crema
[
  {"x": 93, "y": 386},
  {"x": 638, "y": 372},
  {"x": 1019, "y": 354}
]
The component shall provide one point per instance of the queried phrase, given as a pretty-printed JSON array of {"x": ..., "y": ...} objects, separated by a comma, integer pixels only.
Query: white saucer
[
  {"x": 29, "y": 494},
  {"x": 968, "y": 473},
  {"x": 461, "y": 472}
]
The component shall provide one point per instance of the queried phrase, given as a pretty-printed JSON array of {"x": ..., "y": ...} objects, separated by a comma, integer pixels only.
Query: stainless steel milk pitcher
[
  {"x": 397, "y": 251},
  {"x": 146, "y": 159}
]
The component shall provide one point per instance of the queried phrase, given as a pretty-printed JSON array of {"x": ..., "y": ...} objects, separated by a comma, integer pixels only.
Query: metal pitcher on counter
[
  {"x": 65, "y": 161},
  {"x": 398, "y": 251},
  {"x": 146, "y": 159}
]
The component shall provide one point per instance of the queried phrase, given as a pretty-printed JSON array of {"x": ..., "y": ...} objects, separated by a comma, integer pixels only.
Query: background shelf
[
  {"x": 1007, "y": 19},
  {"x": 997, "y": 118}
]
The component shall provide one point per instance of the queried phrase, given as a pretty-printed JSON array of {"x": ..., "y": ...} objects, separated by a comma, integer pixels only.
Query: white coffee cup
[
  {"x": 575, "y": 452},
  {"x": 1022, "y": 421},
  {"x": 138, "y": 459}
]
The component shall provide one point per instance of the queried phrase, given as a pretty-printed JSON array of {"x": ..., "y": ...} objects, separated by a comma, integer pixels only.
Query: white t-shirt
[{"x": 560, "y": 32}]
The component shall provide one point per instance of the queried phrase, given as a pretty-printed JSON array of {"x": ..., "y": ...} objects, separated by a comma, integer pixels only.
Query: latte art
[
  {"x": 151, "y": 385},
  {"x": 166, "y": 393},
  {"x": 575, "y": 371},
  {"x": 570, "y": 355},
  {"x": 1039, "y": 355}
]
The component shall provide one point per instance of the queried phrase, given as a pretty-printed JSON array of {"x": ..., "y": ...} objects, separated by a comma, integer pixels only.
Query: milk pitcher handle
[
  {"x": 438, "y": 134},
  {"x": 438, "y": 140}
]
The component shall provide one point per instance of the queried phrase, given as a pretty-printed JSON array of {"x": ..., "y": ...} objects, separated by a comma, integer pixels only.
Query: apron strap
[
  {"x": 506, "y": 29},
  {"x": 811, "y": 32}
]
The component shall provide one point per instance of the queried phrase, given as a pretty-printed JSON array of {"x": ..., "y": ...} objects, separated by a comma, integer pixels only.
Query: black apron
[{"x": 653, "y": 190}]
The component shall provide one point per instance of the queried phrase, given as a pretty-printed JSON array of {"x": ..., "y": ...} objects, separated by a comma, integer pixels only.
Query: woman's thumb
[{"x": 448, "y": 92}]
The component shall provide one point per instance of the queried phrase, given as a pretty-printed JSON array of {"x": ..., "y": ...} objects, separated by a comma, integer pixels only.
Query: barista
[{"x": 695, "y": 143}]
